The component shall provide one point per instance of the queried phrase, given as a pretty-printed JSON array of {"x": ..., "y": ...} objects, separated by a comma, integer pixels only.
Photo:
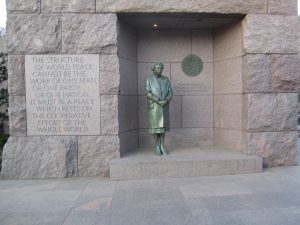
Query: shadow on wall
[
  {"x": 3, "y": 84},
  {"x": 298, "y": 107},
  {"x": 3, "y": 103},
  {"x": 298, "y": 129}
]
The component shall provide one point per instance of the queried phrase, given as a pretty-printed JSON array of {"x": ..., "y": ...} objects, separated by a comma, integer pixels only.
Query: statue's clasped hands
[{"x": 163, "y": 102}]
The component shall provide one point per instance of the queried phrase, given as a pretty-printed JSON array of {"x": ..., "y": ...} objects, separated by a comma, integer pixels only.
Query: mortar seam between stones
[
  {"x": 125, "y": 58},
  {"x": 137, "y": 87},
  {"x": 61, "y": 33},
  {"x": 27, "y": 124},
  {"x": 276, "y": 99},
  {"x": 77, "y": 139},
  {"x": 224, "y": 60},
  {"x": 213, "y": 86}
]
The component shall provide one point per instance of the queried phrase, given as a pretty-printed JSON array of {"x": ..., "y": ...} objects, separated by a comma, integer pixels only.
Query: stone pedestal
[{"x": 183, "y": 162}]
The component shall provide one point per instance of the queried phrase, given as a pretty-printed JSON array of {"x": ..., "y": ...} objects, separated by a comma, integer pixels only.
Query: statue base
[{"x": 183, "y": 162}]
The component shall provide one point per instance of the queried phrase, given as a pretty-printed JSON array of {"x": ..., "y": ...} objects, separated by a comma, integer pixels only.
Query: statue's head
[{"x": 157, "y": 68}]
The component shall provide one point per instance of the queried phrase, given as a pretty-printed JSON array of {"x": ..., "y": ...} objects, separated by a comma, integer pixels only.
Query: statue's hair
[{"x": 155, "y": 64}]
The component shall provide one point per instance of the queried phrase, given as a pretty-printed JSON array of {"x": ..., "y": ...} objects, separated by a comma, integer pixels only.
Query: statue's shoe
[
  {"x": 163, "y": 150},
  {"x": 158, "y": 151}
]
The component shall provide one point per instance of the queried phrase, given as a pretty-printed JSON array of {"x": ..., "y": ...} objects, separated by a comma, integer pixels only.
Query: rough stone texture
[
  {"x": 89, "y": 33},
  {"x": 109, "y": 115},
  {"x": 228, "y": 76},
  {"x": 286, "y": 7},
  {"x": 183, "y": 137},
  {"x": 287, "y": 111},
  {"x": 197, "y": 111},
  {"x": 260, "y": 112},
  {"x": 213, "y": 6},
  {"x": 16, "y": 74},
  {"x": 256, "y": 73},
  {"x": 40, "y": 157},
  {"x": 271, "y": 34},
  {"x": 109, "y": 74},
  {"x": 228, "y": 138},
  {"x": 109, "y": 62},
  {"x": 33, "y": 34},
  {"x": 228, "y": 41},
  {"x": 228, "y": 111},
  {"x": 58, "y": 6},
  {"x": 19, "y": 6},
  {"x": 285, "y": 73},
  {"x": 276, "y": 148},
  {"x": 128, "y": 113},
  {"x": 17, "y": 116},
  {"x": 94, "y": 158}
]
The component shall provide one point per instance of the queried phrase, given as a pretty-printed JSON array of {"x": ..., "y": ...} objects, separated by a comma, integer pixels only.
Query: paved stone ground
[{"x": 268, "y": 198}]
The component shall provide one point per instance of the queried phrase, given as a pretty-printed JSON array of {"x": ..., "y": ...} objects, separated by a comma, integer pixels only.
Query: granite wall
[
  {"x": 46, "y": 30},
  {"x": 262, "y": 80},
  {"x": 271, "y": 80},
  {"x": 228, "y": 94}
]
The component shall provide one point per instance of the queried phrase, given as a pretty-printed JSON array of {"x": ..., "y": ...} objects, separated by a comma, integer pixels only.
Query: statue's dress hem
[{"x": 158, "y": 130}]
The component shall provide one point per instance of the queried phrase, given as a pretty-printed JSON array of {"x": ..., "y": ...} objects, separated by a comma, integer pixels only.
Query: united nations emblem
[{"x": 192, "y": 65}]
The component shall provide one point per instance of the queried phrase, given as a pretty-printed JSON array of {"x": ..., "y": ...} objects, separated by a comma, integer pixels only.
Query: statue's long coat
[{"x": 158, "y": 88}]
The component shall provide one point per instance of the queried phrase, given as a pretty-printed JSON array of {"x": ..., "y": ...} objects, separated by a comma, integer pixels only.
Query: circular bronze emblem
[{"x": 192, "y": 65}]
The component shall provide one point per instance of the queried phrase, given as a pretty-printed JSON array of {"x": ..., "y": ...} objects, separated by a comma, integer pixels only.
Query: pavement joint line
[
  {"x": 58, "y": 183},
  {"x": 112, "y": 198},
  {"x": 5, "y": 217},
  {"x": 69, "y": 213}
]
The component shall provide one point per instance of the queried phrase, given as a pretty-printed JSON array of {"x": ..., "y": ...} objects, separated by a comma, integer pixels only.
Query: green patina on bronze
[
  {"x": 192, "y": 65},
  {"x": 159, "y": 94}
]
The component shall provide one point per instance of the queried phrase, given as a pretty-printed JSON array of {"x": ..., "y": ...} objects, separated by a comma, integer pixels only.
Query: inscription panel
[
  {"x": 62, "y": 94},
  {"x": 188, "y": 85}
]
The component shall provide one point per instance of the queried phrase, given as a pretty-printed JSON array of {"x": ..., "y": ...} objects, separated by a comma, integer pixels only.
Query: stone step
[{"x": 183, "y": 162}]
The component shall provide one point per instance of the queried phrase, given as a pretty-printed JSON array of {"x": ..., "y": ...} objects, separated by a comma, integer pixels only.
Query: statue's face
[{"x": 158, "y": 70}]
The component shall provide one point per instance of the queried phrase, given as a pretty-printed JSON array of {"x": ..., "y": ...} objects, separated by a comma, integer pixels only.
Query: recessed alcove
[{"x": 206, "y": 110}]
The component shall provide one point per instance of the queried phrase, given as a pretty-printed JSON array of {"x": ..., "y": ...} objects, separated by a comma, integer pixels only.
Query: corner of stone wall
[
  {"x": 270, "y": 85},
  {"x": 228, "y": 95},
  {"x": 73, "y": 33},
  {"x": 97, "y": 34}
]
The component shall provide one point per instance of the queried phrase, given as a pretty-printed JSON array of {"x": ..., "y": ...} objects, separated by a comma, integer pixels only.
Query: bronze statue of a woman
[{"x": 159, "y": 94}]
